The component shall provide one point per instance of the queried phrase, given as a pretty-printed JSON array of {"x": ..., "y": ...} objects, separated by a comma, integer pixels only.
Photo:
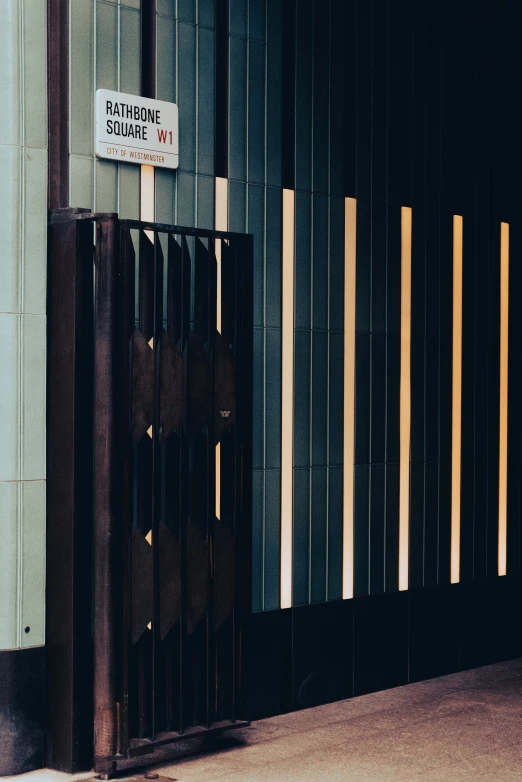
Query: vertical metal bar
[
  {"x": 127, "y": 271},
  {"x": 244, "y": 348},
  {"x": 69, "y": 500},
  {"x": 156, "y": 468},
  {"x": 107, "y": 509}
]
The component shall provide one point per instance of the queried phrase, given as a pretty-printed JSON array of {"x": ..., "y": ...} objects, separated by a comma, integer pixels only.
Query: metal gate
[{"x": 172, "y": 426}]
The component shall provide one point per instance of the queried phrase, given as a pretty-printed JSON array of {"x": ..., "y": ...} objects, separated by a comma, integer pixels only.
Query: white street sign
[{"x": 131, "y": 129}]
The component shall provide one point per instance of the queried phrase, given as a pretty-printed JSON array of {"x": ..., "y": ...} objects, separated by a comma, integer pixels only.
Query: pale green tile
[
  {"x": 81, "y": 115},
  {"x": 33, "y": 377},
  {"x": 10, "y": 73},
  {"x": 106, "y": 46},
  {"x": 165, "y": 196},
  {"x": 130, "y": 51},
  {"x": 131, "y": 3},
  {"x": 166, "y": 8},
  {"x": 106, "y": 186},
  {"x": 10, "y": 166},
  {"x": 9, "y": 559},
  {"x": 35, "y": 73},
  {"x": 35, "y": 231},
  {"x": 9, "y": 397},
  {"x": 129, "y": 192},
  {"x": 166, "y": 53},
  {"x": 32, "y": 520},
  {"x": 81, "y": 182}
]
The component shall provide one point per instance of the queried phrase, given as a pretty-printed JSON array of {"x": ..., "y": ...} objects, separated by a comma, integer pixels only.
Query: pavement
[{"x": 463, "y": 727}]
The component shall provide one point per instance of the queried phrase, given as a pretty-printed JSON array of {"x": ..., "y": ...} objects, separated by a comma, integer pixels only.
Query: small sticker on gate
[{"x": 225, "y": 413}]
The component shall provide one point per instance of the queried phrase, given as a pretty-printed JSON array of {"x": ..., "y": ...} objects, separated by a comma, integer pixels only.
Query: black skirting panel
[
  {"x": 315, "y": 654},
  {"x": 22, "y": 710}
]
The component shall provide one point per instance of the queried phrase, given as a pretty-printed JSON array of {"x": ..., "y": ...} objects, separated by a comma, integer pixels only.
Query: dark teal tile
[
  {"x": 258, "y": 500},
  {"x": 256, "y": 227},
  {"x": 258, "y": 445},
  {"x": 238, "y": 17},
  {"x": 320, "y": 261},
  {"x": 302, "y": 373},
  {"x": 336, "y": 264},
  {"x": 187, "y": 97},
  {"x": 272, "y": 539},
  {"x": 257, "y": 20},
  {"x": 318, "y": 536},
  {"x": 237, "y": 207},
  {"x": 336, "y": 403},
  {"x": 303, "y": 272},
  {"x": 301, "y": 556},
  {"x": 237, "y": 123},
  {"x": 273, "y": 256},
  {"x": 206, "y": 100},
  {"x": 335, "y": 533},
  {"x": 205, "y": 186},
  {"x": 273, "y": 399},
  {"x": 256, "y": 112},
  {"x": 319, "y": 398}
]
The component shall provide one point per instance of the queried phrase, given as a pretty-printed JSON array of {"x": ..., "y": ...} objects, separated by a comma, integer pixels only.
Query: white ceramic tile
[
  {"x": 35, "y": 73},
  {"x": 9, "y": 397},
  {"x": 10, "y": 72},
  {"x": 32, "y": 520},
  {"x": 33, "y": 382},
  {"x": 9, "y": 559},
  {"x": 10, "y": 166},
  {"x": 35, "y": 232}
]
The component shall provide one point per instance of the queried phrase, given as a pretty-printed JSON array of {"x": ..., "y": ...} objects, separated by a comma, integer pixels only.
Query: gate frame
[{"x": 90, "y": 405}]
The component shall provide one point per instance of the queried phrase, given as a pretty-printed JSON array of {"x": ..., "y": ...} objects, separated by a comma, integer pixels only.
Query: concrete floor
[{"x": 467, "y": 726}]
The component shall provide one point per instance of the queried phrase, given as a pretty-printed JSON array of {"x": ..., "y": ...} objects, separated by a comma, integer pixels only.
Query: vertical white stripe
[
  {"x": 221, "y": 224},
  {"x": 503, "y": 433},
  {"x": 456, "y": 421},
  {"x": 405, "y": 400},
  {"x": 287, "y": 398},
  {"x": 350, "y": 244}
]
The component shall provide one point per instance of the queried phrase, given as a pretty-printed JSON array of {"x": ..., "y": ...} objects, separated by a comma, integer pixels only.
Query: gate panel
[{"x": 180, "y": 494}]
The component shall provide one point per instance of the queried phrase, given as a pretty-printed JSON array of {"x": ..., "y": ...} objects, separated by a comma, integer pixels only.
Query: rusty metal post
[{"x": 107, "y": 499}]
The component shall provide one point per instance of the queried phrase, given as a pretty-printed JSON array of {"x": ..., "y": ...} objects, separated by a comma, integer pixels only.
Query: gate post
[
  {"x": 69, "y": 491},
  {"x": 107, "y": 498}
]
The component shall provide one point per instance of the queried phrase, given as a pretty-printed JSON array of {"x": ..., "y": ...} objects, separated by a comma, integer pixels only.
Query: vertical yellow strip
[
  {"x": 147, "y": 210},
  {"x": 350, "y": 244},
  {"x": 287, "y": 399},
  {"x": 503, "y": 434},
  {"x": 456, "y": 407},
  {"x": 221, "y": 224},
  {"x": 405, "y": 399}
]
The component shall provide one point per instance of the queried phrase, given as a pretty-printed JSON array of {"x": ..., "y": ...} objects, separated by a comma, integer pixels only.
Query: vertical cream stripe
[
  {"x": 287, "y": 399},
  {"x": 503, "y": 434},
  {"x": 221, "y": 224},
  {"x": 405, "y": 399},
  {"x": 147, "y": 210},
  {"x": 456, "y": 419},
  {"x": 350, "y": 244}
]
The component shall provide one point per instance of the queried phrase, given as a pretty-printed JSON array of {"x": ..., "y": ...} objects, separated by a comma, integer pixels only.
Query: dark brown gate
[{"x": 172, "y": 424}]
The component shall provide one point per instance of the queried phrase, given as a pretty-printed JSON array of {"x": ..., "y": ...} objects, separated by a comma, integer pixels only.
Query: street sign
[{"x": 131, "y": 129}]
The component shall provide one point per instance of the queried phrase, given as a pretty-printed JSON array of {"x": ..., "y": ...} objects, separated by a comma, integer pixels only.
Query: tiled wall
[
  {"x": 396, "y": 104},
  {"x": 23, "y": 259}
]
